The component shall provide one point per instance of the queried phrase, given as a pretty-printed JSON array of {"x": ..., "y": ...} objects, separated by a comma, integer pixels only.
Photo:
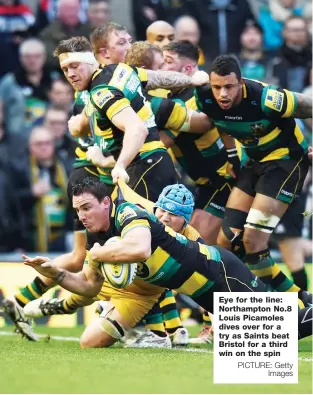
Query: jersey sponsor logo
[
  {"x": 274, "y": 100},
  {"x": 125, "y": 214},
  {"x": 102, "y": 97},
  {"x": 235, "y": 118},
  {"x": 132, "y": 84},
  {"x": 254, "y": 282},
  {"x": 121, "y": 74},
  {"x": 286, "y": 193},
  {"x": 217, "y": 206}
]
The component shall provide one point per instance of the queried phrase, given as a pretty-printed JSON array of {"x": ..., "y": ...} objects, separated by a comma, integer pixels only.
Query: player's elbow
[
  {"x": 205, "y": 123},
  {"x": 142, "y": 130},
  {"x": 142, "y": 252}
]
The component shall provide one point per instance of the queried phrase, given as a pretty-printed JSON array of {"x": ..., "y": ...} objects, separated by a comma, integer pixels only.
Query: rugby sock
[
  {"x": 263, "y": 266},
  {"x": 32, "y": 291},
  {"x": 170, "y": 314},
  {"x": 206, "y": 319},
  {"x": 300, "y": 278},
  {"x": 154, "y": 321},
  {"x": 74, "y": 302},
  {"x": 305, "y": 322}
]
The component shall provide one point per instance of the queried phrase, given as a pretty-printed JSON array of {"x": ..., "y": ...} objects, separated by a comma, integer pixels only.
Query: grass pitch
[{"x": 60, "y": 366}]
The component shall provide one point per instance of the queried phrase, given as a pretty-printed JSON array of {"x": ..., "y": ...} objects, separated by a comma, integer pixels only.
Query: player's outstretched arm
[
  {"x": 304, "y": 106},
  {"x": 174, "y": 79},
  {"x": 135, "y": 246},
  {"x": 86, "y": 282}
]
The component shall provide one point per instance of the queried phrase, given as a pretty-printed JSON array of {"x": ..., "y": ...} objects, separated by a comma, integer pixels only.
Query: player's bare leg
[{"x": 207, "y": 224}]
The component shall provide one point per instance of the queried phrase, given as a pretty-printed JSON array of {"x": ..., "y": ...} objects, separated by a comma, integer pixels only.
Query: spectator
[
  {"x": 144, "y": 12},
  {"x": 221, "y": 23},
  {"x": 15, "y": 20},
  {"x": 160, "y": 33},
  {"x": 56, "y": 122},
  {"x": 66, "y": 25},
  {"x": 99, "y": 13},
  {"x": 255, "y": 64},
  {"x": 307, "y": 14},
  {"x": 309, "y": 92},
  {"x": 25, "y": 91},
  {"x": 41, "y": 180},
  {"x": 61, "y": 94},
  {"x": 11, "y": 217},
  {"x": 272, "y": 17},
  {"x": 295, "y": 55},
  {"x": 48, "y": 10},
  {"x": 187, "y": 28}
]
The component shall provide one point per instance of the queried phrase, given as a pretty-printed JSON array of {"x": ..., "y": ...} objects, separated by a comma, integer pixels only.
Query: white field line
[{"x": 76, "y": 339}]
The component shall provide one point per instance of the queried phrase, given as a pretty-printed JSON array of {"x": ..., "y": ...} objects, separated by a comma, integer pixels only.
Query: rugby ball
[{"x": 119, "y": 275}]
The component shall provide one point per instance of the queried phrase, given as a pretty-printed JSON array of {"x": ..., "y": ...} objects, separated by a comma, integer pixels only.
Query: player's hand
[
  {"x": 199, "y": 78},
  {"x": 95, "y": 156},
  {"x": 93, "y": 254},
  {"x": 42, "y": 264},
  {"x": 119, "y": 173},
  {"x": 77, "y": 125}
]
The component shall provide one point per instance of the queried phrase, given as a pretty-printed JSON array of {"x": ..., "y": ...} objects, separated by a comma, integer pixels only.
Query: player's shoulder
[
  {"x": 192, "y": 234},
  {"x": 126, "y": 212}
]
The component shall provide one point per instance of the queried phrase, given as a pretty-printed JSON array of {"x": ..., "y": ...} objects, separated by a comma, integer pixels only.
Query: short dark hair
[
  {"x": 226, "y": 64},
  {"x": 184, "y": 49},
  {"x": 73, "y": 44},
  {"x": 93, "y": 186}
]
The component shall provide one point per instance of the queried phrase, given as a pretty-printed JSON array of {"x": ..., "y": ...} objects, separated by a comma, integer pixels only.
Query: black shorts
[
  {"x": 213, "y": 199},
  {"x": 78, "y": 174},
  {"x": 291, "y": 224},
  {"x": 278, "y": 179},
  {"x": 150, "y": 175},
  {"x": 229, "y": 275}
]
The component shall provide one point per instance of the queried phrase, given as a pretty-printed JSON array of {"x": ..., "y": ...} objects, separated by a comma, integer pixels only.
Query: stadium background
[{"x": 24, "y": 106}]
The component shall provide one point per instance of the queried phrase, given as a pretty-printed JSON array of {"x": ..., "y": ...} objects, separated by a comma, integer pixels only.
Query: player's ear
[
  {"x": 106, "y": 201},
  {"x": 188, "y": 69}
]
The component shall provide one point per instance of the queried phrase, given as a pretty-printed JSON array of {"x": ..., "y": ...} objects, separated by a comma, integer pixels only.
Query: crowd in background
[{"x": 271, "y": 38}]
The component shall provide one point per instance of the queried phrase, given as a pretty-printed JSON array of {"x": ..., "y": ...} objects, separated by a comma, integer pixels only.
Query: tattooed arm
[
  {"x": 173, "y": 79},
  {"x": 304, "y": 107}
]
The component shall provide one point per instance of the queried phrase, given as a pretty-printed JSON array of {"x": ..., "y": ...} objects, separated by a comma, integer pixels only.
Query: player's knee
[
  {"x": 258, "y": 228},
  {"x": 253, "y": 243},
  {"x": 95, "y": 341},
  {"x": 223, "y": 241},
  {"x": 230, "y": 236}
]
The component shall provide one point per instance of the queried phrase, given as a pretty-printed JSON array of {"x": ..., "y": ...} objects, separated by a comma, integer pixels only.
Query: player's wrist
[{"x": 59, "y": 277}]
